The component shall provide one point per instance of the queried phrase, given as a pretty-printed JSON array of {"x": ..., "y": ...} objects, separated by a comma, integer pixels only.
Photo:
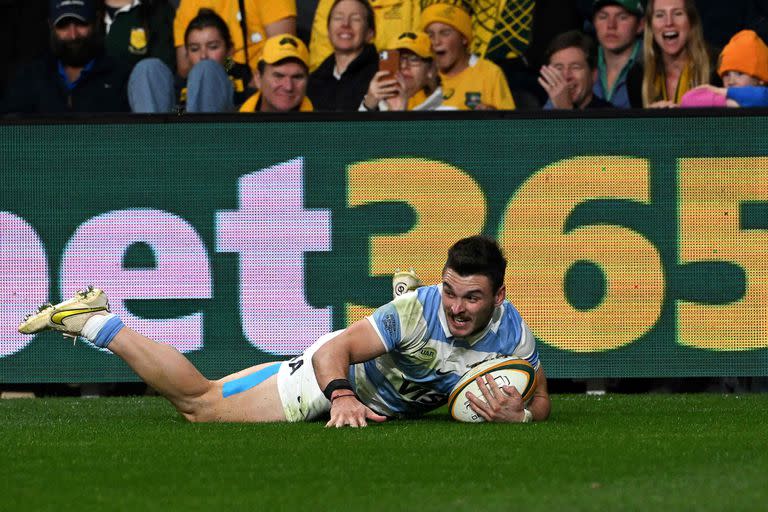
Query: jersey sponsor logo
[
  {"x": 389, "y": 322},
  {"x": 448, "y": 93},
  {"x": 59, "y": 317},
  {"x": 426, "y": 354}
]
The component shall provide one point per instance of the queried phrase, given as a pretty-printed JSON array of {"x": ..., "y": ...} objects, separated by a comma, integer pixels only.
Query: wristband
[
  {"x": 342, "y": 396},
  {"x": 336, "y": 384},
  {"x": 527, "y": 416}
]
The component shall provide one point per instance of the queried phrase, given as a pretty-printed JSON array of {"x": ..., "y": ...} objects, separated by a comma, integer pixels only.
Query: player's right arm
[{"x": 358, "y": 343}]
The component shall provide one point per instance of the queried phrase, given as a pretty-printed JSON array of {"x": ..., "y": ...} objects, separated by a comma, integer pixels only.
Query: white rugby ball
[{"x": 506, "y": 371}]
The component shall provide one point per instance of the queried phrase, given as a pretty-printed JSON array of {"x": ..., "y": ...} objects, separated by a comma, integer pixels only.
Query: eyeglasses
[{"x": 410, "y": 60}]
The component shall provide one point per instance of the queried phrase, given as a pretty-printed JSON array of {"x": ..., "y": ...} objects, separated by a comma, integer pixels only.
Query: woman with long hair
[
  {"x": 341, "y": 81},
  {"x": 675, "y": 54}
]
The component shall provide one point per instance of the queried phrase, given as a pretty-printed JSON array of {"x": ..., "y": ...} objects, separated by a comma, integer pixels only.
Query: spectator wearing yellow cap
[
  {"x": 744, "y": 69},
  {"x": 468, "y": 82},
  {"x": 282, "y": 75},
  {"x": 414, "y": 87}
]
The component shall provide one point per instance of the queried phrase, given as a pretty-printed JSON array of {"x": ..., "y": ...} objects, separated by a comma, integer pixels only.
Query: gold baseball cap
[
  {"x": 417, "y": 42},
  {"x": 284, "y": 46}
]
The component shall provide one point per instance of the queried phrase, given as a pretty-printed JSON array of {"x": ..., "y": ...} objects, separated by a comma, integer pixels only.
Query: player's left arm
[
  {"x": 357, "y": 343},
  {"x": 505, "y": 404}
]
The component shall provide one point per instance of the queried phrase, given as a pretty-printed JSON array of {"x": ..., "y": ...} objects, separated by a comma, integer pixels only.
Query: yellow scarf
[{"x": 684, "y": 84}]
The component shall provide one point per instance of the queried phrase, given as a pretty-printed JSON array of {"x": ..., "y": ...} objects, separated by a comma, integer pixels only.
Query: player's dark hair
[
  {"x": 574, "y": 39},
  {"x": 208, "y": 18},
  {"x": 370, "y": 18},
  {"x": 478, "y": 255}
]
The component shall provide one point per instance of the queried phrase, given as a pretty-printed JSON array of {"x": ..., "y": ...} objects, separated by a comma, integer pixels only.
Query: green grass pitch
[{"x": 617, "y": 452}]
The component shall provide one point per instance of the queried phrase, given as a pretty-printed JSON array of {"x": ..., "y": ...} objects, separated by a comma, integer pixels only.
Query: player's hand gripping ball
[{"x": 506, "y": 371}]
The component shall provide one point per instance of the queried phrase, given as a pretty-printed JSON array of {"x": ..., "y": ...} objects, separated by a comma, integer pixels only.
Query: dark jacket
[
  {"x": 327, "y": 93},
  {"x": 146, "y": 30},
  {"x": 38, "y": 88}
]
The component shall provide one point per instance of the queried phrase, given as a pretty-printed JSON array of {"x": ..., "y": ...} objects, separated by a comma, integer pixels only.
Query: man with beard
[{"x": 76, "y": 76}]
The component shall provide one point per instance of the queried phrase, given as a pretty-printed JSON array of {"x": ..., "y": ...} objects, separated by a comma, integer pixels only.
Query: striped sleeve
[{"x": 400, "y": 321}]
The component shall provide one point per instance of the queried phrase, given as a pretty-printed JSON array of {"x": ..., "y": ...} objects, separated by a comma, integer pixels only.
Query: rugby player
[{"x": 400, "y": 362}]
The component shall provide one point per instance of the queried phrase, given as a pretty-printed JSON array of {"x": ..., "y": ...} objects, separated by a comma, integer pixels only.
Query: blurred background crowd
[{"x": 155, "y": 56}]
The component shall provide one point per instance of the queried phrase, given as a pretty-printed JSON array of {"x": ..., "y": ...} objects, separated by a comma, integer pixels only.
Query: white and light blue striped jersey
[{"x": 423, "y": 361}]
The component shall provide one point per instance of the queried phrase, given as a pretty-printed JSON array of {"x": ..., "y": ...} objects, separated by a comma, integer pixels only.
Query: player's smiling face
[{"x": 468, "y": 302}]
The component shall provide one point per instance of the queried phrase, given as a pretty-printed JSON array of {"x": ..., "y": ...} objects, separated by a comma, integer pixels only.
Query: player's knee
[
  {"x": 195, "y": 417},
  {"x": 197, "y": 414},
  {"x": 197, "y": 409}
]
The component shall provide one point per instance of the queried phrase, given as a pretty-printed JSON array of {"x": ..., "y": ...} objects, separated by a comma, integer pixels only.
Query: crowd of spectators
[{"x": 249, "y": 56}]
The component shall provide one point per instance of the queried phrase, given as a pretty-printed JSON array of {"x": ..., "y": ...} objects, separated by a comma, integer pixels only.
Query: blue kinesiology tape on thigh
[{"x": 247, "y": 382}]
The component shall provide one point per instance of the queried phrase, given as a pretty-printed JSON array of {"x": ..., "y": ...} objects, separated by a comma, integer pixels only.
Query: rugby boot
[{"x": 68, "y": 316}]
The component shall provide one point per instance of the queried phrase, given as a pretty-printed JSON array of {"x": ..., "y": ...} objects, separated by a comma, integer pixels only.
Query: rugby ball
[{"x": 506, "y": 371}]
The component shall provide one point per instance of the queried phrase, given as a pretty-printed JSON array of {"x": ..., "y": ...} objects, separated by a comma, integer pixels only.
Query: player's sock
[{"x": 100, "y": 329}]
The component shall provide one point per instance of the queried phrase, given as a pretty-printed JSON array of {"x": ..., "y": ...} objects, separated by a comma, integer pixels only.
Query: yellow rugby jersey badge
[{"x": 138, "y": 41}]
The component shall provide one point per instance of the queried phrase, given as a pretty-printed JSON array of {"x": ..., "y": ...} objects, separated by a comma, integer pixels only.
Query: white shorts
[{"x": 302, "y": 398}]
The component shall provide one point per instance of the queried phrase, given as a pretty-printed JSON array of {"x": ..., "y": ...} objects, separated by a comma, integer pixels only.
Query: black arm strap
[{"x": 336, "y": 384}]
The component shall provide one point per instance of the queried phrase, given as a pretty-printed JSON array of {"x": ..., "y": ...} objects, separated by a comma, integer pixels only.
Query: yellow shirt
[
  {"x": 393, "y": 17},
  {"x": 250, "y": 104},
  {"x": 259, "y": 13},
  {"x": 482, "y": 82}
]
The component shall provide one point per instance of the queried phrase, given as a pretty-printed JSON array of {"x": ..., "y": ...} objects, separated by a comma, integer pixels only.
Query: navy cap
[{"x": 83, "y": 10}]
